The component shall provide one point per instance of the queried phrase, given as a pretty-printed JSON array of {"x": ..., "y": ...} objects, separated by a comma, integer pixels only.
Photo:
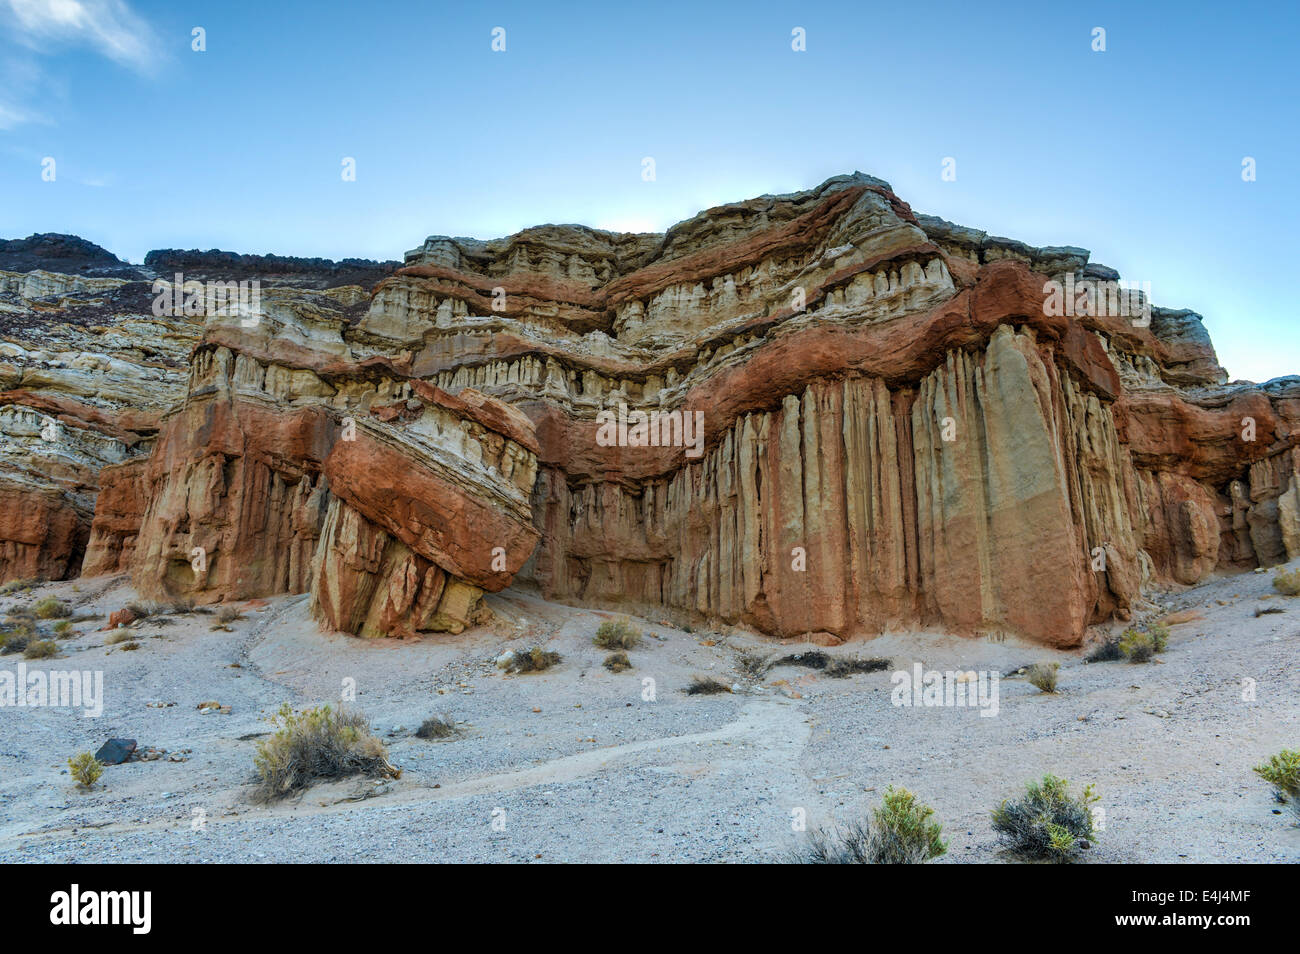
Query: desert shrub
[
  {"x": 85, "y": 768},
  {"x": 317, "y": 744},
  {"x": 831, "y": 666},
  {"x": 1044, "y": 675},
  {"x": 812, "y": 659},
  {"x": 617, "y": 662},
  {"x": 118, "y": 636},
  {"x": 51, "y": 608},
  {"x": 1282, "y": 771},
  {"x": 228, "y": 614},
  {"x": 12, "y": 642},
  {"x": 754, "y": 665},
  {"x": 843, "y": 668},
  {"x": 619, "y": 634},
  {"x": 533, "y": 660},
  {"x": 15, "y": 637},
  {"x": 1137, "y": 646},
  {"x": 63, "y": 628},
  {"x": 41, "y": 649},
  {"x": 437, "y": 727},
  {"x": 899, "y": 832},
  {"x": 17, "y": 586},
  {"x": 847, "y": 846},
  {"x": 702, "y": 686},
  {"x": 129, "y": 647},
  {"x": 1105, "y": 651},
  {"x": 1288, "y": 584},
  {"x": 1047, "y": 822},
  {"x": 1159, "y": 636}
]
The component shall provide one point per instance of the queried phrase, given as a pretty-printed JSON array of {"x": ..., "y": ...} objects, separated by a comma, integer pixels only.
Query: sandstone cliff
[{"x": 899, "y": 430}]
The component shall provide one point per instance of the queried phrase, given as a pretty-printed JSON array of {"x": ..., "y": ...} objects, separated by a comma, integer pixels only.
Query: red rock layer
[{"x": 899, "y": 432}]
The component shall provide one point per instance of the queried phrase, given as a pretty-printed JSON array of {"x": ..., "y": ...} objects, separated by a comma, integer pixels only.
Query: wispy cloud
[
  {"x": 11, "y": 116},
  {"x": 109, "y": 26}
]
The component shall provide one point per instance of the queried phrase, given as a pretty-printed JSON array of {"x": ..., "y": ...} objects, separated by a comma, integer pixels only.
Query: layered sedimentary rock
[
  {"x": 902, "y": 428},
  {"x": 86, "y": 370}
]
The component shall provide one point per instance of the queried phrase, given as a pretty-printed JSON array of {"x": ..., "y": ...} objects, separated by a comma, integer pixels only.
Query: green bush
[
  {"x": 1288, "y": 584},
  {"x": 15, "y": 636},
  {"x": 617, "y": 635},
  {"x": 317, "y": 744},
  {"x": 63, "y": 628},
  {"x": 85, "y": 768},
  {"x": 1282, "y": 771},
  {"x": 1044, "y": 675},
  {"x": 51, "y": 608},
  {"x": 1137, "y": 646},
  {"x": 41, "y": 649},
  {"x": 899, "y": 832},
  {"x": 1159, "y": 636},
  {"x": 1047, "y": 822}
]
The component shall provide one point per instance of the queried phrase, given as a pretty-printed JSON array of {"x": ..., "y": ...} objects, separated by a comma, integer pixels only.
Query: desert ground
[{"x": 576, "y": 764}]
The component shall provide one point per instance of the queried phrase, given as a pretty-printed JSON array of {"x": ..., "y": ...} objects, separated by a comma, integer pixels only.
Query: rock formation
[{"x": 906, "y": 423}]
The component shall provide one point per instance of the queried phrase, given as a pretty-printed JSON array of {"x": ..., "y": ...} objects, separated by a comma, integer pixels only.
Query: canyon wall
[{"x": 901, "y": 428}]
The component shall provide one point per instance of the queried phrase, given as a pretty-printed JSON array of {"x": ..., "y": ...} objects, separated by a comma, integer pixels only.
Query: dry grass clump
[
  {"x": 85, "y": 768},
  {"x": 51, "y": 608},
  {"x": 830, "y": 665},
  {"x": 1282, "y": 771},
  {"x": 843, "y": 668},
  {"x": 533, "y": 660},
  {"x": 118, "y": 636},
  {"x": 437, "y": 727},
  {"x": 315, "y": 745},
  {"x": 225, "y": 616},
  {"x": 17, "y": 586},
  {"x": 704, "y": 686},
  {"x": 15, "y": 636},
  {"x": 899, "y": 832},
  {"x": 1288, "y": 584},
  {"x": 63, "y": 628},
  {"x": 754, "y": 665},
  {"x": 1044, "y": 675},
  {"x": 1105, "y": 651},
  {"x": 1047, "y": 822},
  {"x": 617, "y": 662},
  {"x": 620, "y": 634},
  {"x": 41, "y": 649}
]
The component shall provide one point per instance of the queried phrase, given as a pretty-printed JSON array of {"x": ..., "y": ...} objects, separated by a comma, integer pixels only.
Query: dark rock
[
  {"x": 68, "y": 254},
  {"x": 216, "y": 265},
  {"x": 1100, "y": 272},
  {"x": 115, "y": 751}
]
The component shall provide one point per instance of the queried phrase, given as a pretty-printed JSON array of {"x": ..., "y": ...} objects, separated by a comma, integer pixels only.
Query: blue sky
[{"x": 1134, "y": 153}]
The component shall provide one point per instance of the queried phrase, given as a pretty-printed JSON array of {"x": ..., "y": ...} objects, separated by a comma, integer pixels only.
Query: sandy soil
[{"x": 581, "y": 767}]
